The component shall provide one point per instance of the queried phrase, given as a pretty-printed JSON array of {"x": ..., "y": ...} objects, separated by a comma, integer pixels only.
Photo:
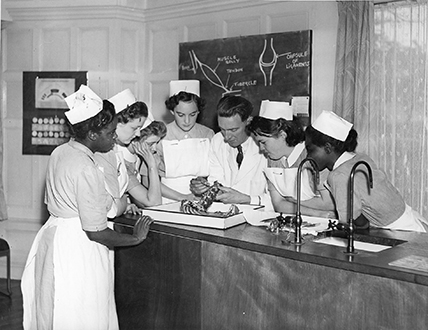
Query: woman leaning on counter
[
  {"x": 120, "y": 179},
  {"x": 68, "y": 280},
  {"x": 331, "y": 142},
  {"x": 281, "y": 140},
  {"x": 152, "y": 136}
]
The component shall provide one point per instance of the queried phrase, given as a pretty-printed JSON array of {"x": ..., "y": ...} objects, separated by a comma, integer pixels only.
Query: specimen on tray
[{"x": 200, "y": 207}]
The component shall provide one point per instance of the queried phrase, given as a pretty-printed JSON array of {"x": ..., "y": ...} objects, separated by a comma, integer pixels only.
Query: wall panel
[
  {"x": 94, "y": 49},
  {"x": 289, "y": 22},
  {"x": 163, "y": 50},
  {"x": 202, "y": 31},
  {"x": 129, "y": 46},
  {"x": 56, "y": 44},
  {"x": 19, "y": 50},
  {"x": 100, "y": 84},
  {"x": 13, "y": 90},
  {"x": 247, "y": 26},
  {"x": 132, "y": 85},
  {"x": 159, "y": 91},
  {"x": 19, "y": 177}
]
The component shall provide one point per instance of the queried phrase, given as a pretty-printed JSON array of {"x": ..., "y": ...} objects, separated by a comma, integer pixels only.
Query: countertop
[{"x": 260, "y": 240}]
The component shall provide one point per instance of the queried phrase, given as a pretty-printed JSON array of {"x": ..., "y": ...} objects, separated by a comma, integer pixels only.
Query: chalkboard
[{"x": 273, "y": 67}]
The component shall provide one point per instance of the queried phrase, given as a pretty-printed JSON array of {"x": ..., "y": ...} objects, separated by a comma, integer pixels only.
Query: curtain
[
  {"x": 398, "y": 128},
  {"x": 354, "y": 54},
  {"x": 3, "y": 206}
]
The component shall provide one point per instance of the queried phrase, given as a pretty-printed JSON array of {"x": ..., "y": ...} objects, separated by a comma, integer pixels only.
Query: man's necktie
[{"x": 239, "y": 156}]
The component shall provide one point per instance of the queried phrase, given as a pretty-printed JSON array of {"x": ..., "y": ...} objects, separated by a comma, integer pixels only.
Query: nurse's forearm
[
  {"x": 172, "y": 194},
  {"x": 154, "y": 194},
  {"x": 317, "y": 212},
  {"x": 111, "y": 238},
  {"x": 321, "y": 203},
  {"x": 284, "y": 206}
]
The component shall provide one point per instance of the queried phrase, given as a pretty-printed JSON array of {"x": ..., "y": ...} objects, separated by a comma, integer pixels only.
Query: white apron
[
  {"x": 285, "y": 182},
  {"x": 184, "y": 160},
  {"x": 68, "y": 280}
]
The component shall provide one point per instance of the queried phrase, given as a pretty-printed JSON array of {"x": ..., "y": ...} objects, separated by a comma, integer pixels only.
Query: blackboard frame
[{"x": 275, "y": 66}]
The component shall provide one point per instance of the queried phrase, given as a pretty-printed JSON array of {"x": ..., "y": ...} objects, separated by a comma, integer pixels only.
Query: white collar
[
  {"x": 127, "y": 155},
  {"x": 295, "y": 154},
  {"x": 245, "y": 145},
  {"x": 343, "y": 158}
]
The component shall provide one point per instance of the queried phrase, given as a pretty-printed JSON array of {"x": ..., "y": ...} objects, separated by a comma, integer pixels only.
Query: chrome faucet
[
  {"x": 350, "y": 247},
  {"x": 298, "y": 218}
]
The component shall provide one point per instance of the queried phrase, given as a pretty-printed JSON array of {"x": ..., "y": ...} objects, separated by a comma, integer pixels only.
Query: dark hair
[
  {"x": 272, "y": 128},
  {"x": 231, "y": 105},
  {"x": 320, "y": 139},
  {"x": 173, "y": 101},
  {"x": 157, "y": 128},
  {"x": 95, "y": 124},
  {"x": 136, "y": 110}
]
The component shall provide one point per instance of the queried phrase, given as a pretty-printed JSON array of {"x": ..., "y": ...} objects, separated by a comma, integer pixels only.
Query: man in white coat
[{"x": 235, "y": 159}]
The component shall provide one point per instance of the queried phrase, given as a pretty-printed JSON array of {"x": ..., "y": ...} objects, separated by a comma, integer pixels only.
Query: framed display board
[
  {"x": 44, "y": 125},
  {"x": 275, "y": 67}
]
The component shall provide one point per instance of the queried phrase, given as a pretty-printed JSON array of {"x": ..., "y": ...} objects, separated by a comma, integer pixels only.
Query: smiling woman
[{"x": 184, "y": 150}]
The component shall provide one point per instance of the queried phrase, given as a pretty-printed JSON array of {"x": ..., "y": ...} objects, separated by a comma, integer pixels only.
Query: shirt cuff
[{"x": 255, "y": 200}]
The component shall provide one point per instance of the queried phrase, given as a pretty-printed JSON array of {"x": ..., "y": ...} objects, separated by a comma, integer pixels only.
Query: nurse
[
  {"x": 281, "y": 140},
  {"x": 331, "y": 142},
  {"x": 150, "y": 135},
  {"x": 120, "y": 179},
  {"x": 68, "y": 279},
  {"x": 185, "y": 149}
]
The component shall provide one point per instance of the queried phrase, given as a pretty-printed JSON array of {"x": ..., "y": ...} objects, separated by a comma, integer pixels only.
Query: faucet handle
[
  {"x": 332, "y": 224},
  {"x": 336, "y": 225}
]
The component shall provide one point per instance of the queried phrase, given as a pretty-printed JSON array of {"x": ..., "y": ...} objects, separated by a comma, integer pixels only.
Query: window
[{"x": 399, "y": 116}]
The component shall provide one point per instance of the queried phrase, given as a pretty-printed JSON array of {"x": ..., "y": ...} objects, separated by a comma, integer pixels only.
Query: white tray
[{"x": 171, "y": 213}]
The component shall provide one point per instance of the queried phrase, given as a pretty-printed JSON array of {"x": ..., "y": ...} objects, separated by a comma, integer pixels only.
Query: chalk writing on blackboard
[
  {"x": 272, "y": 67},
  {"x": 268, "y": 68}
]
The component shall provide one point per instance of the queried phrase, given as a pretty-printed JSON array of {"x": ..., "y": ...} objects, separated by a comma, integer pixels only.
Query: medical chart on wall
[
  {"x": 275, "y": 67},
  {"x": 44, "y": 124}
]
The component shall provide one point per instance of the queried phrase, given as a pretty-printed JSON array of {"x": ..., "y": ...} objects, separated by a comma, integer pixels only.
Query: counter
[{"x": 185, "y": 277}]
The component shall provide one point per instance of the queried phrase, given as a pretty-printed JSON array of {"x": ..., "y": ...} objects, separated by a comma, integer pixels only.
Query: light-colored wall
[{"x": 126, "y": 44}]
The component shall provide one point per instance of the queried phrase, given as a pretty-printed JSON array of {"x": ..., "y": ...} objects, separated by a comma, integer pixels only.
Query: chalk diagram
[
  {"x": 267, "y": 68},
  {"x": 211, "y": 75}
]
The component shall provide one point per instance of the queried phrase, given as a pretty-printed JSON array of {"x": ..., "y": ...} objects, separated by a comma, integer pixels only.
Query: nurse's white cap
[
  {"x": 122, "y": 100},
  {"x": 149, "y": 120},
  {"x": 275, "y": 110},
  {"x": 332, "y": 125},
  {"x": 189, "y": 86},
  {"x": 83, "y": 104}
]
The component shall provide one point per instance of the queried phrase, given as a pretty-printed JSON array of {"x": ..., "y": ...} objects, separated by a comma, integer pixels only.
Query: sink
[{"x": 361, "y": 242}]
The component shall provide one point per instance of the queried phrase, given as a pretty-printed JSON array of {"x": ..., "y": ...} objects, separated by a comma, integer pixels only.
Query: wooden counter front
[{"x": 244, "y": 277}]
